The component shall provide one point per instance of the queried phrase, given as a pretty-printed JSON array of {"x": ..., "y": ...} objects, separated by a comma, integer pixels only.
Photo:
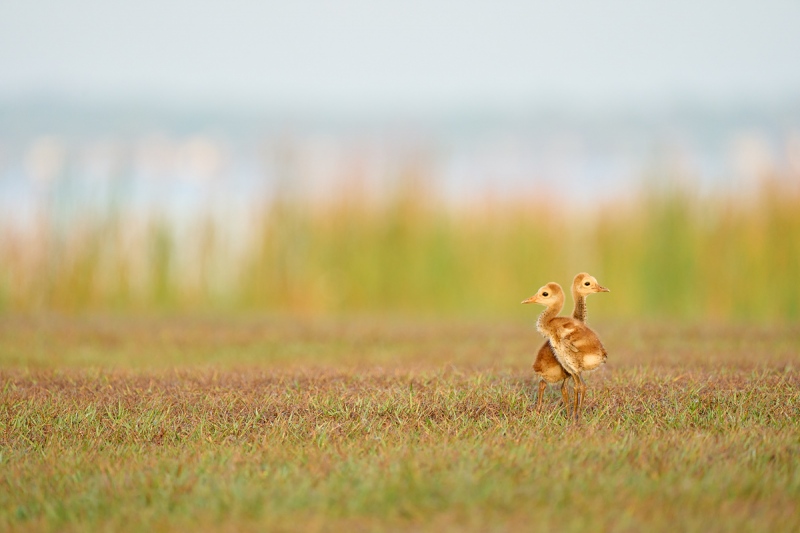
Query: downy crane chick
[
  {"x": 546, "y": 365},
  {"x": 575, "y": 345}
]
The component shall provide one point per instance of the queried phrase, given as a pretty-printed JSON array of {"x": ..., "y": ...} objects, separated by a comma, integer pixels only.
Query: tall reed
[{"x": 669, "y": 253}]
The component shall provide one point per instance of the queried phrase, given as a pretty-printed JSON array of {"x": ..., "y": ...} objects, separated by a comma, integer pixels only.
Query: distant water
[{"x": 179, "y": 168}]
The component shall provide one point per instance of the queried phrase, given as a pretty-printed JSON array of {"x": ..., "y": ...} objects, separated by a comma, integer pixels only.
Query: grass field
[
  {"x": 185, "y": 411},
  {"x": 254, "y": 423}
]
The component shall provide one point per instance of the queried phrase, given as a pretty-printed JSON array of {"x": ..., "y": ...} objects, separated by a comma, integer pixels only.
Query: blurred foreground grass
[
  {"x": 255, "y": 424},
  {"x": 668, "y": 253}
]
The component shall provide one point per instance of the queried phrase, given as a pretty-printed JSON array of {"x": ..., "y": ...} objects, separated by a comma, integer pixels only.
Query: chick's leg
[
  {"x": 565, "y": 395},
  {"x": 542, "y": 387},
  {"x": 580, "y": 391}
]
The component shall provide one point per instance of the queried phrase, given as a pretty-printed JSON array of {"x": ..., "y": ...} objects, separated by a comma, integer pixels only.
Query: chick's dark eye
[
  {"x": 587, "y": 283},
  {"x": 544, "y": 294}
]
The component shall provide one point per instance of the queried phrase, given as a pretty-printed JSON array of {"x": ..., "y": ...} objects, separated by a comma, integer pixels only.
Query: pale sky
[{"x": 425, "y": 55}]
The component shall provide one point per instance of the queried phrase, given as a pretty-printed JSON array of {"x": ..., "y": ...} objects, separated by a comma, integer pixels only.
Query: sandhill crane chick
[{"x": 574, "y": 344}]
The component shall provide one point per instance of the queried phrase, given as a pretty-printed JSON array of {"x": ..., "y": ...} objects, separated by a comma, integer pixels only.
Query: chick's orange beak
[
  {"x": 602, "y": 289},
  {"x": 530, "y": 300}
]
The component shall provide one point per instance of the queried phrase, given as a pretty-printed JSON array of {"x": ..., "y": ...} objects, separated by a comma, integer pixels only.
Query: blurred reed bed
[{"x": 665, "y": 252}]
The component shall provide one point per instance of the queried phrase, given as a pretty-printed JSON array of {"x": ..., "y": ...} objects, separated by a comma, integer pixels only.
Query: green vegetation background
[{"x": 668, "y": 252}]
